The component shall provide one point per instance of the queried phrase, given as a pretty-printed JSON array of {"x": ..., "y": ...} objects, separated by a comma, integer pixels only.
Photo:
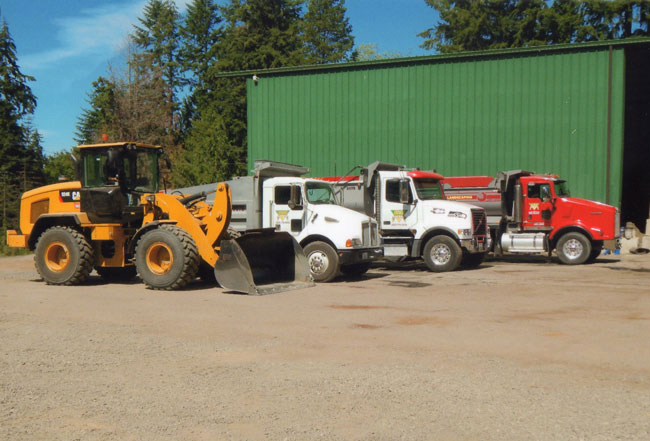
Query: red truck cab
[{"x": 532, "y": 213}]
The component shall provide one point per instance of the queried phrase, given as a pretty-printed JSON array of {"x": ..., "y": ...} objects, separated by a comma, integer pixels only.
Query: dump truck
[
  {"x": 336, "y": 240},
  {"x": 532, "y": 213},
  {"x": 415, "y": 219},
  {"x": 114, "y": 220}
]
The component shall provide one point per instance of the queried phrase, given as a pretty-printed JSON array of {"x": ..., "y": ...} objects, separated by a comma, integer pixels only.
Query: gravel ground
[{"x": 510, "y": 351}]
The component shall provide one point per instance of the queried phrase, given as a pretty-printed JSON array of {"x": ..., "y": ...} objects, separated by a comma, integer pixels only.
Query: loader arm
[{"x": 205, "y": 234}]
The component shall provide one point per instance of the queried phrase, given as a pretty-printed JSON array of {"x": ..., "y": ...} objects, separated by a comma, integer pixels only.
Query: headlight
[
  {"x": 457, "y": 214},
  {"x": 352, "y": 243},
  {"x": 465, "y": 232},
  {"x": 438, "y": 210}
]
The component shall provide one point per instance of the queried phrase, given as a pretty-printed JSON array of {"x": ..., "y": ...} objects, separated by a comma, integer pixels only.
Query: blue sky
[{"x": 67, "y": 44}]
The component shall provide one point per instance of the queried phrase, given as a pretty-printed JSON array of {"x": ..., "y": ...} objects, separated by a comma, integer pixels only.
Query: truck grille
[
  {"x": 479, "y": 222},
  {"x": 370, "y": 234}
]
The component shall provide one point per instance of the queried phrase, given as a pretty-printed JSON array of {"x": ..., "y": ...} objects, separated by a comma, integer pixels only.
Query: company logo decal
[
  {"x": 69, "y": 196},
  {"x": 282, "y": 216}
]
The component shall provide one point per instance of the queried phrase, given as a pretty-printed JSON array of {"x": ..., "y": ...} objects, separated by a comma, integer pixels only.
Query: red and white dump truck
[{"x": 530, "y": 213}]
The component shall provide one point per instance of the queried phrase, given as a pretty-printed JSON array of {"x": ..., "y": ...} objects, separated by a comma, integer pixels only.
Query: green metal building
[{"x": 580, "y": 111}]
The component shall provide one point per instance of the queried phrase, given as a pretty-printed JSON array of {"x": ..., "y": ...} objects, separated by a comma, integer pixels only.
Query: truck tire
[
  {"x": 573, "y": 248},
  {"x": 355, "y": 269},
  {"x": 471, "y": 261},
  {"x": 63, "y": 256},
  {"x": 166, "y": 258},
  {"x": 117, "y": 274},
  {"x": 442, "y": 253},
  {"x": 322, "y": 260}
]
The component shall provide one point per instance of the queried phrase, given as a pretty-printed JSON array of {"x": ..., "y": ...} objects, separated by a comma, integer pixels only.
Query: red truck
[{"x": 530, "y": 213}]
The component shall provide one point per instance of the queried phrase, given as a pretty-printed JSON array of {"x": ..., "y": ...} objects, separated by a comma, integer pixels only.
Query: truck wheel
[
  {"x": 573, "y": 248},
  {"x": 442, "y": 253},
  {"x": 63, "y": 256},
  {"x": 323, "y": 261},
  {"x": 117, "y": 274},
  {"x": 355, "y": 269},
  {"x": 471, "y": 261},
  {"x": 166, "y": 258}
]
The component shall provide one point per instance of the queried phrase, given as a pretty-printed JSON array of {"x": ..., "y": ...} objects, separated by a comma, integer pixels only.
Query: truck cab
[
  {"x": 536, "y": 214},
  {"x": 415, "y": 219},
  {"x": 333, "y": 237}
]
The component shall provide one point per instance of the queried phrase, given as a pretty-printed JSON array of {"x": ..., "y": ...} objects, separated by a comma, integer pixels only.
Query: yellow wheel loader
[{"x": 115, "y": 221}]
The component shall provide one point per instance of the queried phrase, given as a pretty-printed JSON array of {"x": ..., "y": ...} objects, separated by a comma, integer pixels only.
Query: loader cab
[{"x": 113, "y": 177}]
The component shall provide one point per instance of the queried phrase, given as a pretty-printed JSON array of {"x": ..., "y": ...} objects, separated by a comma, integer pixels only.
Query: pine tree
[
  {"x": 159, "y": 40},
  {"x": 327, "y": 32},
  {"x": 19, "y": 143},
  {"x": 98, "y": 119}
]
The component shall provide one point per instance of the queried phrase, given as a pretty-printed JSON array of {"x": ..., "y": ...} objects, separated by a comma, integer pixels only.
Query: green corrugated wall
[{"x": 543, "y": 111}]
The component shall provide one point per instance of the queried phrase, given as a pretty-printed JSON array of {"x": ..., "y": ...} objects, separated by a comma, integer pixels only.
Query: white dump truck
[
  {"x": 414, "y": 218},
  {"x": 335, "y": 239}
]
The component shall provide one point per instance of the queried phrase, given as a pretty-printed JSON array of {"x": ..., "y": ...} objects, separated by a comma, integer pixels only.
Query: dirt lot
[{"x": 510, "y": 351}]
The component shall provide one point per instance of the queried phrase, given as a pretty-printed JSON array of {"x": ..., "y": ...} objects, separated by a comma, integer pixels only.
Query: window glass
[
  {"x": 392, "y": 191},
  {"x": 533, "y": 191},
  {"x": 320, "y": 193},
  {"x": 561, "y": 189},
  {"x": 428, "y": 189},
  {"x": 283, "y": 194}
]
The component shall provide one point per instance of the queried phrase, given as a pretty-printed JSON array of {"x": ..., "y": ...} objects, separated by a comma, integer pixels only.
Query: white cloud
[{"x": 97, "y": 34}]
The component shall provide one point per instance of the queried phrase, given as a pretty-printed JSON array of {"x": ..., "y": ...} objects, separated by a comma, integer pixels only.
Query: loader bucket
[{"x": 262, "y": 262}]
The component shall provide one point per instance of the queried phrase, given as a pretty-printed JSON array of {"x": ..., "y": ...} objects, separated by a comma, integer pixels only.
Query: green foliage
[
  {"x": 59, "y": 166},
  {"x": 493, "y": 24},
  {"x": 159, "y": 40},
  {"x": 327, "y": 33},
  {"x": 99, "y": 118},
  {"x": 368, "y": 52},
  {"x": 20, "y": 143}
]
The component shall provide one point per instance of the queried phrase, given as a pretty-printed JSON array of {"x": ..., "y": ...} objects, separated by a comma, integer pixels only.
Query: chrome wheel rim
[
  {"x": 318, "y": 262},
  {"x": 440, "y": 254},
  {"x": 573, "y": 249}
]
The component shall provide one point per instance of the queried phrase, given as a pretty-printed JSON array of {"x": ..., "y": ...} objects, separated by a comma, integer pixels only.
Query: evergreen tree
[
  {"x": 98, "y": 119},
  {"x": 258, "y": 34},
  {"x": 479, "y": 25},
  {"x": 159, "y": 40},
  {"x": 20, "y": 150},
  {"x": 327, "y": 32}
]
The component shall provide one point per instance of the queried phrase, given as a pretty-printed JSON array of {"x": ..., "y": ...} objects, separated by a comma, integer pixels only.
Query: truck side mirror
[
  {"x": 404, "y": 191},
  {"x": 295, "y": 199}
]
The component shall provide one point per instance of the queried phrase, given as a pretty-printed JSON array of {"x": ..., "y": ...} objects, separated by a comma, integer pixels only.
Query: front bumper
[
  {"x": 477, "y": 244},
  {"x": 360, "y": 255}
]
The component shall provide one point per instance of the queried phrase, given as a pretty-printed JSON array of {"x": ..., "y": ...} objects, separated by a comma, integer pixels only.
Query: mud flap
[{"x": 262, "y": 262}]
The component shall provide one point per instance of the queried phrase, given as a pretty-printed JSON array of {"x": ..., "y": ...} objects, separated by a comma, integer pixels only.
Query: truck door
[
  {"x": 396, "y": 215},
  {"x": 283, "y": 216},
  {"x": 537, "y": 205}
]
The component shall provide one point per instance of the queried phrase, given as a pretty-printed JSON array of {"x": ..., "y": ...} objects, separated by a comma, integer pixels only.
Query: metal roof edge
[{"x": 438, "y": 57}]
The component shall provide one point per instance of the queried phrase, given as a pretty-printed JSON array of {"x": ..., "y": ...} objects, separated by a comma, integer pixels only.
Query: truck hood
[
  {"x": 586, "y": 203},
  {"x": 463, "y": 207},
  {"x": 337, "y": 213}
]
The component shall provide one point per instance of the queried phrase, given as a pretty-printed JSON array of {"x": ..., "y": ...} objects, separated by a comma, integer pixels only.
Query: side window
[
  {"x": 545, "y": 192},
  {"x": 392, "y": 191},
  {"x": 283, "y": 194},
  {"x": 533, "y": 191}
]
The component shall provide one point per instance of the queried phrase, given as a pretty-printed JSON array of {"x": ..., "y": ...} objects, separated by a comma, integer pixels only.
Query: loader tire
[
  {"x": 573, "y": 248},
  {"x": 117, "y": 274},
  {"x": 322, "y": 260},
  {"x": 442, "y": 253},
  {"x": 63, "y": 256},
  {"x": 166, "y": 258}
]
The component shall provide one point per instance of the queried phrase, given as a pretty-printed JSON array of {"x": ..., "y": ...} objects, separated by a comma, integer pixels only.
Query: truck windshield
[
  {"x": 428, "y": 189},
  {"x": 561, "y": 189},
  {"x": 320, "y": 193}
]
